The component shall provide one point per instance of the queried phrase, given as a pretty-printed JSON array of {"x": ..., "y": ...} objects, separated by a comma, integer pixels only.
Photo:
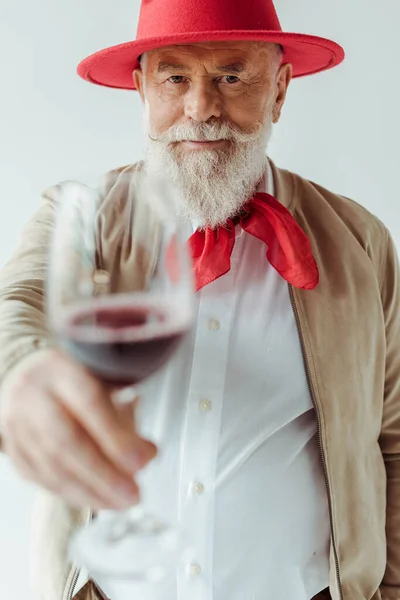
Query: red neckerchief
[{"x": 288, "y": 247}]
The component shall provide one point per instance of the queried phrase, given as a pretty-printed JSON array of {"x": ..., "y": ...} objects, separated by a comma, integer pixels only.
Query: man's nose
[{"x": 203, "y": 101}]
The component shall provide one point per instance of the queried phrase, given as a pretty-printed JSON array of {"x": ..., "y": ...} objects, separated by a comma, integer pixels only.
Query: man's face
[{"x": 209, "y": 112}]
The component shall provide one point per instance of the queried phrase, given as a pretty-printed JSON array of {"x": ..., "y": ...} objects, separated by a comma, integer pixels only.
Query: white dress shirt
[{"x": 239, "y": 466}]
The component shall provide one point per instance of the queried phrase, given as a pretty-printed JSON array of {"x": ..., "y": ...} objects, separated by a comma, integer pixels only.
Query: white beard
[{"x": 214, "y": 184}]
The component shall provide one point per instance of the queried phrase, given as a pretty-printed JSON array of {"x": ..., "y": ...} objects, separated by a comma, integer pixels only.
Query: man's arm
[
  {"x": 22, "y": 295},
  {"x": 48, "y": 402},
  {"x": 390, "y": 433},
  {"x": 23, "y": 327}
]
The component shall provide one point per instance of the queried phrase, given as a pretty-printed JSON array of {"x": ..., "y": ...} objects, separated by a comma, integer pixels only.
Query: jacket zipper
[
  {"x": 312, "y": 394},
  {"x": 76, "y": 570},
  {"x": 73, "y": 583}
]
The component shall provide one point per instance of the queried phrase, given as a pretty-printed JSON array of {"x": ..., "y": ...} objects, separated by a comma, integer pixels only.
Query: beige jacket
[{"x": 349, "y": 328}]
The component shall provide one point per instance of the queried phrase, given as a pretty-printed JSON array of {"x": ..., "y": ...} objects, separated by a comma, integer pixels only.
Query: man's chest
[
  {"x": 237, "y": 384},
  {"x": 235, "y": 425}
]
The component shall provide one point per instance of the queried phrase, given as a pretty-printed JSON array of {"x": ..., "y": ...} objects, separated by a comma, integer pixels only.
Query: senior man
[{"x": 285, "y": 404}]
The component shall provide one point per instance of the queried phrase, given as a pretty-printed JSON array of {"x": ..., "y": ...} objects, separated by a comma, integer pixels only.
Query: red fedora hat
[{"x": 174, "y": 22}]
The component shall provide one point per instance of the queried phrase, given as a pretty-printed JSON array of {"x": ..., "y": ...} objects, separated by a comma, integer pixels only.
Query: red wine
[{"x": 122, "y": 345}]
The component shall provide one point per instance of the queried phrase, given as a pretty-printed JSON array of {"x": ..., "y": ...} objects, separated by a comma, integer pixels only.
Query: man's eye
[
  {"x": 230, "y": 79},
  {"x": 177, "y": 79}
]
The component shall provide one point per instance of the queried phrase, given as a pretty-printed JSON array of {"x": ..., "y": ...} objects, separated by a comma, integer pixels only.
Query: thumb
[{"x": 126, "y": 418}]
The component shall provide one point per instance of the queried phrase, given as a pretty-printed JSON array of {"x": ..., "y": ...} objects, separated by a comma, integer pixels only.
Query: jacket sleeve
[
  {"x": 22, "y": 290},
  {"x": 23, "y": 328},
  {"x": 390, "y": 433}
]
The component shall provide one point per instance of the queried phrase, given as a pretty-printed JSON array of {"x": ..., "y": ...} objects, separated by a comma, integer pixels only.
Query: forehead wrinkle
[
  {"x": 220, "y": 55},
  {"x": 166, "y": 66}
]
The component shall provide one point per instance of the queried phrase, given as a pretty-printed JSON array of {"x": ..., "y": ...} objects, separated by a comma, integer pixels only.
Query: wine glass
[{"x": 120, "y": 301}]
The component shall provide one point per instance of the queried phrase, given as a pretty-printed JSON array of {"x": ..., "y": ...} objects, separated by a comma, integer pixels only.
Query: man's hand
[{"x": 62, "y": 431}]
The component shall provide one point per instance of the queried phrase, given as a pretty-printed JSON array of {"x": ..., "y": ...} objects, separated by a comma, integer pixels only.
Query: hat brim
[{"x": 113, "y": 66}]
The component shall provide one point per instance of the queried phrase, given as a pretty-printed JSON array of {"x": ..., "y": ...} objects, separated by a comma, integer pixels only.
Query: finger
[
  {"x": 22, "y": 460},
  {"x": 126, "y": 414},
  {"x": 50, "y": 473},
  {"x": 69, "y": 447},
  {"x": 92, "y": 406},
  {"x": 32, "y": 466},
  {"x": 69, "y": 453},
  {"x": 89, "y": 466}
]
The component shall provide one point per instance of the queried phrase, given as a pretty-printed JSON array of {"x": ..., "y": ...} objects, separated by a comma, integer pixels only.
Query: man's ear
[
  {"x": 284, "y": 78},
  {"x": 138, "y": 80}
]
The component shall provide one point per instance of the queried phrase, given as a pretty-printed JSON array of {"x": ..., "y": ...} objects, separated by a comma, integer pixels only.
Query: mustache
[{"x": 207, "y": 132}]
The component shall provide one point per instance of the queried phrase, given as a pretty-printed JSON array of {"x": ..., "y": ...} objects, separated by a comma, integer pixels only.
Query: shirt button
[
  {"x": 194, "y": 570},
  {"x": 213, "y": 324},
  {"x": 205, "y": 405},
  {"x": 197, "y": 488}
]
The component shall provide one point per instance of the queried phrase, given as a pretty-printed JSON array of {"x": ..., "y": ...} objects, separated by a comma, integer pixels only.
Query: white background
[{"x": 340, "y": 128}]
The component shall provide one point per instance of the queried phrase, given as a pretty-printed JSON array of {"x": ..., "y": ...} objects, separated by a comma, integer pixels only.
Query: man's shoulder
[
  {"x": 103, "y": 185},
  {"x": 110, "y": 178},
  {"x": 316, "y": 201}
]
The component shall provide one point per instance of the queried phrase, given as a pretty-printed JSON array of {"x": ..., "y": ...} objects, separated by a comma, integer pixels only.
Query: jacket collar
[{"x": 284, "y": 186}]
